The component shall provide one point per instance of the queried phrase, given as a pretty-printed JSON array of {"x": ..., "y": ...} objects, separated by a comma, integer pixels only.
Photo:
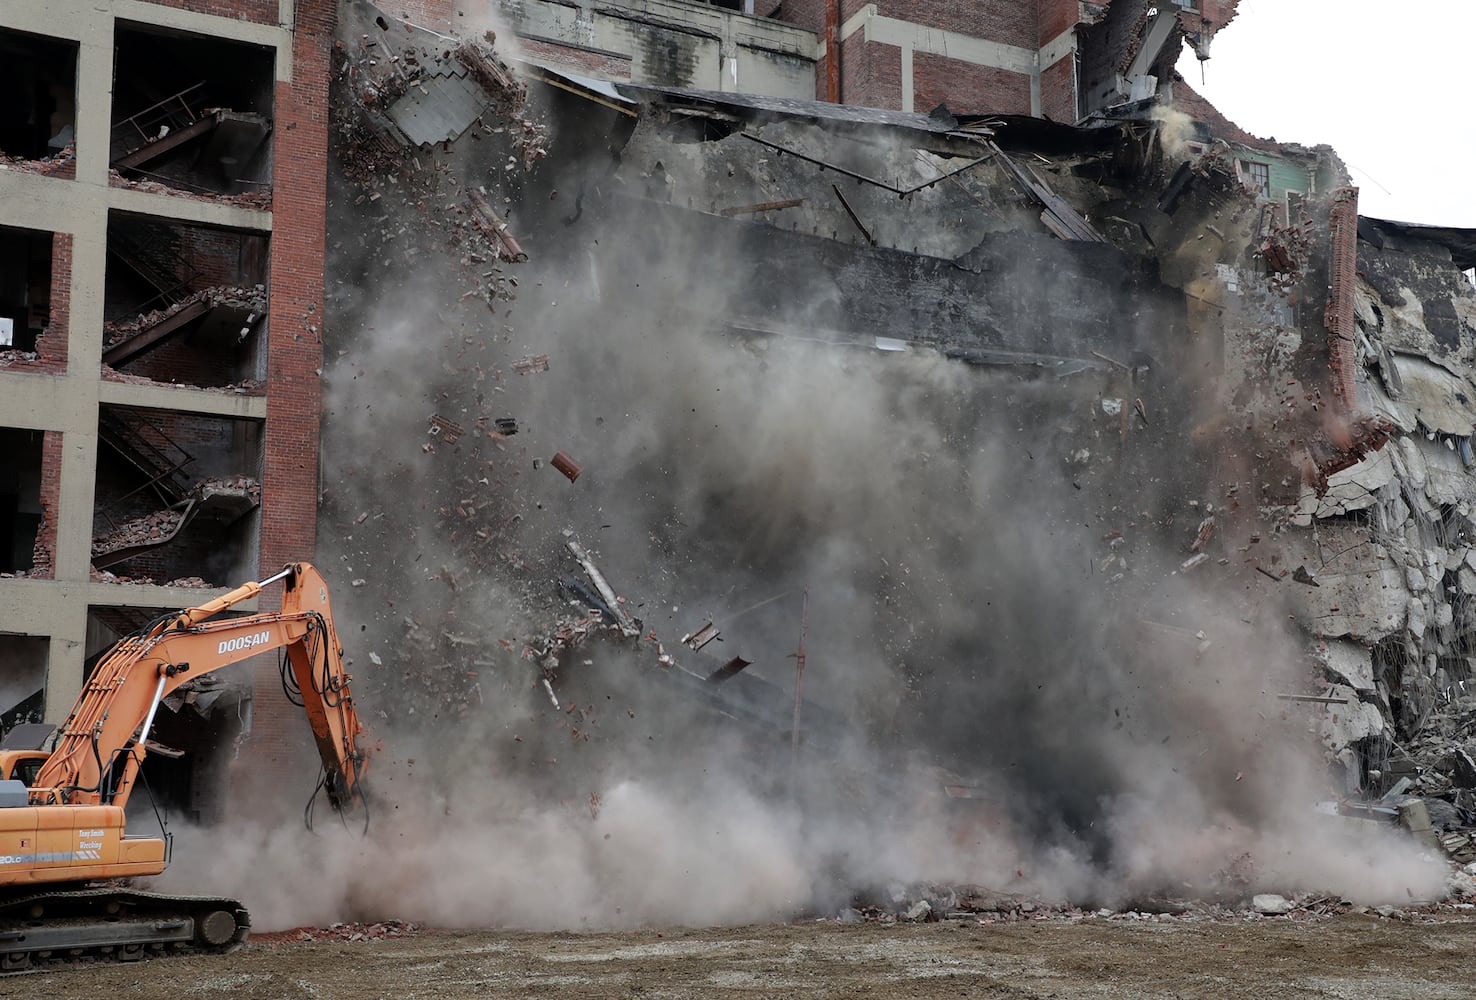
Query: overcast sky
[{"x": 1390, "y": 85}]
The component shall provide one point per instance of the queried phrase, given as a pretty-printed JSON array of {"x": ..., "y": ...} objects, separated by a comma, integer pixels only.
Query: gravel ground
[{"x": 1350, "y": 956}]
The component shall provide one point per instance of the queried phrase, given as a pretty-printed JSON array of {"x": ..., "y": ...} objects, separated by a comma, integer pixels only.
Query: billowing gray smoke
[{"x": 1011, "y": 679}]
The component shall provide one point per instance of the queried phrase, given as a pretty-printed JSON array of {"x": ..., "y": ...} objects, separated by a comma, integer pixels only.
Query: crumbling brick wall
[
  {"x": 1215, "y": 14},
  {"x": 609, "y": 65},
  {"x": 51, "y": 346},
  {"x": 1058, "y": 91},
  {"x": 43, "y": 553},
  {"x": 1342, "y": 284}
]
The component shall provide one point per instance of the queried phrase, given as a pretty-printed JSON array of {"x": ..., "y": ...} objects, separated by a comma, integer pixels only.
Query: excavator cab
[{"x": 22, "y": 753}]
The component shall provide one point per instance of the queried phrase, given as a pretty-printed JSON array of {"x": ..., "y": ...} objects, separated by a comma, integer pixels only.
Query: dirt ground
[{"x": 1344, "y": 957}]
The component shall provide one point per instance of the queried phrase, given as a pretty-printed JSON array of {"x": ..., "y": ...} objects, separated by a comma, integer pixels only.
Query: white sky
[{"x": 1387, "y": 83}]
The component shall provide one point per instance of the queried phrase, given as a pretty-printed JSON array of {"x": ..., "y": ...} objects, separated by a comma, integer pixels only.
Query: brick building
[
  {"x": 1059, "y": 58},
  {"x": 161, "y": 289}
]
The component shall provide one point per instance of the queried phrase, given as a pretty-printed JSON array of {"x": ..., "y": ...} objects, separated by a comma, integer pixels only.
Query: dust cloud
[
  {"x": 997, "y": 603},
  {"x": 1176, "y": 131}
]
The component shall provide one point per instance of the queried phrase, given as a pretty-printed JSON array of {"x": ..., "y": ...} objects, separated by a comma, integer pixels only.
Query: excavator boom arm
[{"x": 101, "y": 745}]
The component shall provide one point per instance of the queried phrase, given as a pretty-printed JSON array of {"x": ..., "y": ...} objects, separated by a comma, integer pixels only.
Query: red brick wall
[
  {"x": 44, "y": 551},
  {"x": 52, "y": 345},
  {"x": 966, "y": 87},
  {"x": 1216, "y": 13},
  {"x": 260, "y": 11},
  {"x": 808, "y": 14},
  {"x": 1342, "y": 281},
  {"x": 280, "y": 745},
  {"x": 1210, "y": 18},
  {"x": 219, "y": 257},
  {"x": 609, "y": 66},
  {"x": 1058, "y": 91},
  {"x": 1010, "y": 22},
  {"x": 1054, "y": 17},
  {"x": 871, "y": 74}
]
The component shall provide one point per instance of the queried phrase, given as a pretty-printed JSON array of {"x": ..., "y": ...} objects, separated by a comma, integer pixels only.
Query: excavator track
[{"x": 41, "y": 928}]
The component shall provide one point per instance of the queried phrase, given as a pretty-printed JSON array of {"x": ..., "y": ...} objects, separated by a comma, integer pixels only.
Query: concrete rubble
[
  {"x": 346, "y": 932},
  {"x": 63, "y": 163},
  {"x": 136, "y": 536},
  {"x": 252, "y": 300},
  {"x": 260, "y": 200}
]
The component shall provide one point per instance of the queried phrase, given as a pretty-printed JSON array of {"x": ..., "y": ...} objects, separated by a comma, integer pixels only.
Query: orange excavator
[{"x": 63, "y": 847}]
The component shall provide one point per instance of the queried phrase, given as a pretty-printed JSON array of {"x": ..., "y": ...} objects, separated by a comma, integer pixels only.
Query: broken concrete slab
[{"x": 1271, "y": 905}]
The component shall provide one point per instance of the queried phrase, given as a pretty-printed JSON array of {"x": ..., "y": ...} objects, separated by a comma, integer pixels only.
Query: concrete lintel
[
  {"x": 56, "y": 609},
  {"x": 187, "y": 400},
  {"x": 56, "y": 19},
  {"x": 717, "y": 20},
  {"x": 44, "y": 402},
  {"x": 800, "y": 48},
  {"x": 49, "y": 204},
  {"x": 272, "y": 36},
  {"x": 142, "y": 595},
  {"x": 39, "y": 607},
  {"x": 208, "y": 213}
]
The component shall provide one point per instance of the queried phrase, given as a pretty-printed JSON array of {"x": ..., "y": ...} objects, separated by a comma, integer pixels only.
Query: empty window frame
[
  {"x": 1257, "y": 177},
  {"x": 38, "y": 76}
]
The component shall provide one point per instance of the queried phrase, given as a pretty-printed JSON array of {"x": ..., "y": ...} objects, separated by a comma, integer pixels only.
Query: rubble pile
[
  {"x": 260, "y": 199},
  {"x": 1437, "y": 766},
  {"x": 252, "y": 299},
  {"x": 158, "y": 528},
  {"x": 155, "y": 527},
  {"x": 10, "y": 358},
  {"x": 104, "y": 576},
  {"x": 348, "y": 932},
  {"x": 984, "y": 906},
  {"x": 249, "y": 485},
  {"x": 60, "y": 164},
  {"x": 244, "y": 387}
]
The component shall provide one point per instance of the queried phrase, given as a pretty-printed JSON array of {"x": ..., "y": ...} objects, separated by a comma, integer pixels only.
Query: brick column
[
  {"x": 52, "y": 345},
  {"x": 43, "y": 554},
  {"x": 280, "y": 738}
]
